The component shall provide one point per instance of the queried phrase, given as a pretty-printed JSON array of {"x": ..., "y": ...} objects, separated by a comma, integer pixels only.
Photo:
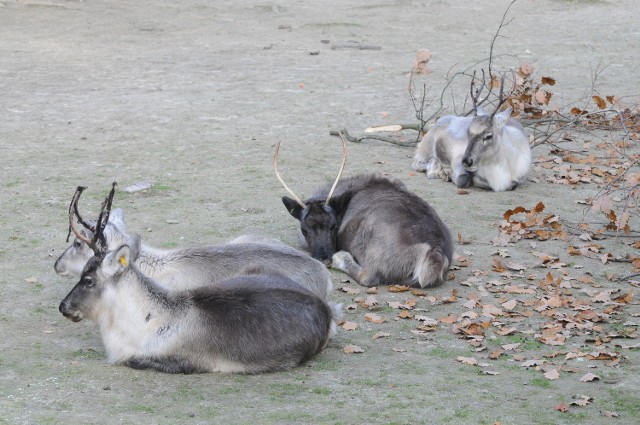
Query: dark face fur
[
  {"x": 319, "y": 225},
  {"x": 480, "y": 136},
  {"x": 77, "y": 304}
]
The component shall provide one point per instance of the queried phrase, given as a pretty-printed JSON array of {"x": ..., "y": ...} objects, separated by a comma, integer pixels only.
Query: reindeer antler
[
  {"x": 344, "y": 161},
  {"x": 103, "y": 218},
  {"x": 73, "y": 208},
  {"x": 98, "y": 243},
  {"x": 501, "y": 97},
  {"x": 275, "y": 167},
  {"x": 474, "y": 92}
]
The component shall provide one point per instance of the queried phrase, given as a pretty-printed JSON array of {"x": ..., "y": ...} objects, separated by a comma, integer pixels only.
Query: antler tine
[
  {"x": 344, "y": 161},
  {"x": 475, "y": 93},
  {"x": 72, "y": 225},
  {"x": 501, "y": 98},
  {"x": 103, "y": 219},
  {"x": 275, "y": 167},
  {"x": 85, "y": 224}
]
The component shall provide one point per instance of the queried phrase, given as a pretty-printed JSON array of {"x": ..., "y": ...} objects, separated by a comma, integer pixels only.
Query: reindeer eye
[
  {"x": 88, "y": 281},
  {"x": 488, "y": 137},
  {"x": 304, "y": 232},
  {"x": 77, "y": 243}
]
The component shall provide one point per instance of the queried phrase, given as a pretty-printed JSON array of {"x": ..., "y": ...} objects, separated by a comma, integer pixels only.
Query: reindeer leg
[
  {"x": 162, "y": 364},
  {"x": 344, "y": 261}
]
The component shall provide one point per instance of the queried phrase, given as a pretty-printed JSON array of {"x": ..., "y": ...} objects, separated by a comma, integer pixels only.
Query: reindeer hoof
[
  {"x": 340, "y": 260},
  {"x": 513, "y": 185},
  {"x": 419, "y": 166}
]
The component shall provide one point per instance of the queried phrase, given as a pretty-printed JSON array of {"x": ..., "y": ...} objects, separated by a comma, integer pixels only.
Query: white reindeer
[{"x": 488, "y": 151}]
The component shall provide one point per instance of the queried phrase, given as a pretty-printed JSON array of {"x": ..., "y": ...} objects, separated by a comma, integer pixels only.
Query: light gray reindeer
[
  {"x": 488, "y": 151},
  {"x": 374, "y": 229},
  {"x": 193, "y": 267},
  {"x": 259, "y": 322}
]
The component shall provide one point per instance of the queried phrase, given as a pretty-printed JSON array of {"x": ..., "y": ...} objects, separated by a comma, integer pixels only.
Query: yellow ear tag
[{"x": 123, "y": 261}]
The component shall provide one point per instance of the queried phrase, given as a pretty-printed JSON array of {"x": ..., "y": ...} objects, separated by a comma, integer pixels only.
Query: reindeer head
[
  {"x": 485, "y": 130},
  {"x": 102, "y": 270},
  {"x": 484, "y": 135},
  {"x": 79, "y": 302},
  {"x": 319, "y": 218}
]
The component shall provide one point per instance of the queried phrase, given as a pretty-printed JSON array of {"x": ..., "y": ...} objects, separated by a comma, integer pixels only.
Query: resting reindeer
[
  {"x": 373, "y": 229},
  {"x": 259, "y": 322},
  {"x": 488, "y": 151},
  {"x": 193, "y": 267}
]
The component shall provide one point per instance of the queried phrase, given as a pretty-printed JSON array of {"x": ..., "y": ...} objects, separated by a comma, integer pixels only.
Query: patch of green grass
[
  {"x": 290, "y": 417},
  {"x": 171, "y": 244},
  {"x": 325, "y": 363},
  {"x": 541, "y": 382},
  {"x": 322, "y": 391},
  {"x": 65, "y": 405},
  {"x": 87, "y": 354},
  {"x": 185, "y": 392},
  {"x": 230, "y": 390},
  {"x": 141, "y": 408},
  {"x": 526, "y": 343},
  {"x": 288, "y": 390},
  {"x": 442, "y": 353},
  {"x": 241, "y": 379},
  {"x": 48, "y": 420},
  {"x": 37, "y": 287},
  {"x": 39, "y": 310},
  {"x": 623, "y": 403}
]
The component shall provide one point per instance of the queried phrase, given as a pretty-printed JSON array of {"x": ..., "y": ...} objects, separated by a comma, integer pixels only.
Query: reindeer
[
  {"x": 258, "y": 322},
  {"x": 193, "y": 267},
  {"x": 374, "y": 229},
  {"x": 488, "y": 151}
]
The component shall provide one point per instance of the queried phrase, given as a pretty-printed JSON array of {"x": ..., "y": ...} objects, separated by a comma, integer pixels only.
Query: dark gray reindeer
[
  {"x": 187, "y": 268},
  {"x": 258, "y": 322},
  {"x": 487, "y": 151},
  {"x": 374, "y": 229}
]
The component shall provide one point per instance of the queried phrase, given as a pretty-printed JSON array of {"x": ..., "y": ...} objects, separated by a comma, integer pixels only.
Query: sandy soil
[{"x": 192, "y": 96}]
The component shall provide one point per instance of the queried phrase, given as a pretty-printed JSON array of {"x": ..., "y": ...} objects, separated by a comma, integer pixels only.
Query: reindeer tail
[{"x": 432, "y": 268}]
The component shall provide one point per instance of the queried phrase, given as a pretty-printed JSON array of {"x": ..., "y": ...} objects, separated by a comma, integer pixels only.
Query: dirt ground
[{"x": 192, "y": 97}]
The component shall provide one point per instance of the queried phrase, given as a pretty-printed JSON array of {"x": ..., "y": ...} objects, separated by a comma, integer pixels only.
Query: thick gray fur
[
  {"x": 384, "y": 234},
  {"x": 189, "y": 268},
  {"x": 258, "y": 322}
]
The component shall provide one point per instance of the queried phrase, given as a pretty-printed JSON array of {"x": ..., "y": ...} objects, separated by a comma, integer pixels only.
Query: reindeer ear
[
  {"x": 117, "y": 261},
  {"x": 116, "y": 217},
  {"x": 500, "y": 119},
  {"x": 294, "y": 208},
  {"x": 340, "y": 203}
]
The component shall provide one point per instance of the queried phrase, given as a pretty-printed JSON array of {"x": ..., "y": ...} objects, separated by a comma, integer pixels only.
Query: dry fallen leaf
[
  {"x": 562, "y": 407},
  {"x": 398, "y": 288},
  {"x": 552, "y": 375},
  {"x": 589, "y": 377},
  {"x": 398, "y": 350},
  {"x": 378, "y": 335},
  {"x": 350, "y": 291},
  {"x": 351, "y": 349},
  {"x": 467, "y": 360},
  {"x": 510, "y": 305},
  {"x": 349, "y": 326},
  {"x": 581, "y": 400},
  {"x": 373, "y": 318}
]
